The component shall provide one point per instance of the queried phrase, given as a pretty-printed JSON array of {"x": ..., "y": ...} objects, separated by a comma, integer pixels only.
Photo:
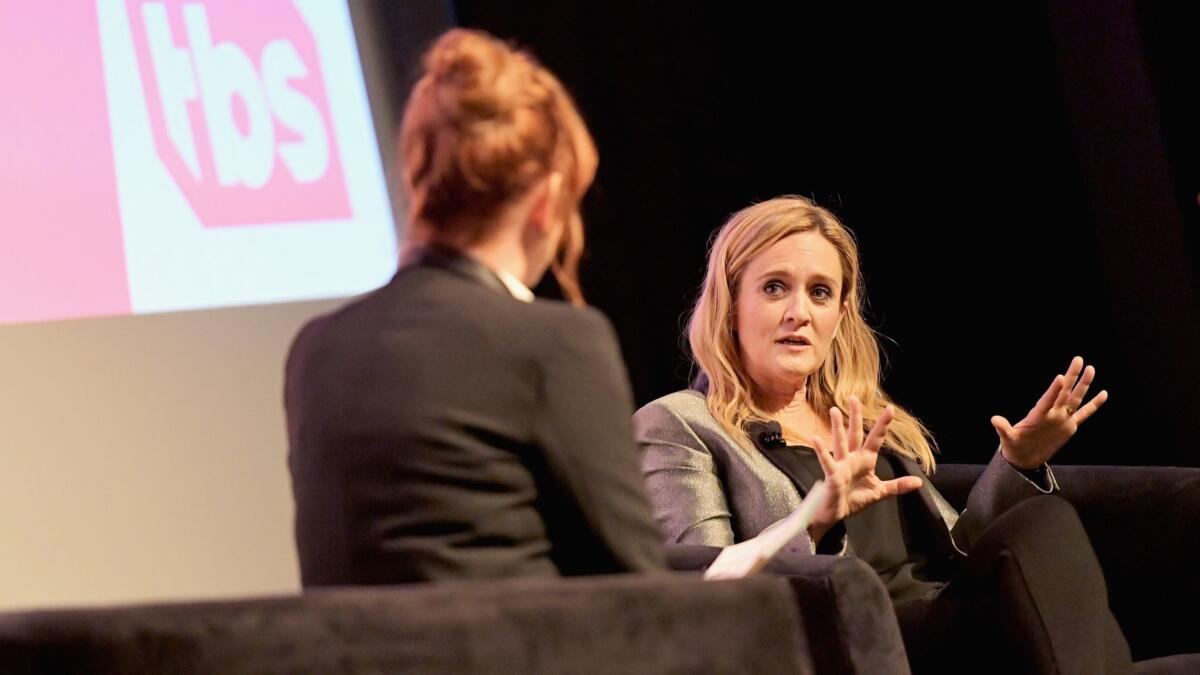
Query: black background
[{"x": 1022, "y": 181}]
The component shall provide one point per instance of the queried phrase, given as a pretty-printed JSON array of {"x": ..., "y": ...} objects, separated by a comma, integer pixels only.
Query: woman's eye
[
  {"x": 774, "y": 287},
  {"x": 822, "y": 293}
]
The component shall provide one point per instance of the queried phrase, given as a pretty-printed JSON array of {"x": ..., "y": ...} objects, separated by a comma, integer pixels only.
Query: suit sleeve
[
  {"x": 1000, "y": 488},
  {"x": 592, "y": 461},
  {"x": 682, "y": 480}
]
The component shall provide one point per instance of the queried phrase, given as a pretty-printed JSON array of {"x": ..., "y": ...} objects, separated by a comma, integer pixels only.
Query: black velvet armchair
[{"x": 829, "y": 615}]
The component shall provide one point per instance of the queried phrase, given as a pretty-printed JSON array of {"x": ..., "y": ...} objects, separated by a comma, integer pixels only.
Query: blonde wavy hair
[
  {"x": 482, "y": 125},
  {"x": 853, "y": 364}
]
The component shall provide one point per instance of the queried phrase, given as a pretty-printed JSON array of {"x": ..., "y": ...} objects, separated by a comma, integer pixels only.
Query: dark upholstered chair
[
  {"x": 1144, "y": 523},
  {"x": 621, "y": 624},
  {"x": 829, "y": 615}
]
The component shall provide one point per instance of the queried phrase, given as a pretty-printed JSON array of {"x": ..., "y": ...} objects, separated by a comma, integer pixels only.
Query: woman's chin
[{"x": 789, "y": 378}]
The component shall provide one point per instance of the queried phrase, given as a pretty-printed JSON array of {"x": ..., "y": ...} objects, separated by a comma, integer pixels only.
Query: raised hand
[
  {"x": 849, "y": 465},
  {"x": 1052, "y": 421}
]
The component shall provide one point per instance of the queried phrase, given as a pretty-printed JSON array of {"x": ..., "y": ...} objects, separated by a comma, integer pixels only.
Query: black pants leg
[{"x": 1030, "y": 598}]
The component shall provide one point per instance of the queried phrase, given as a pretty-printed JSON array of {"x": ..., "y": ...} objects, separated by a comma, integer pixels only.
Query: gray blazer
[{"x": 706, "y": 489}]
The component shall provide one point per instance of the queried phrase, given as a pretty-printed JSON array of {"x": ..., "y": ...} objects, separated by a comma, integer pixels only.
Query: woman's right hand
[{"x": 849, "y": 467}]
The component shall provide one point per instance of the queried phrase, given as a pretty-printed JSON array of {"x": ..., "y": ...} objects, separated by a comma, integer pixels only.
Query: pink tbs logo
[{"x": 239, "y": 110}]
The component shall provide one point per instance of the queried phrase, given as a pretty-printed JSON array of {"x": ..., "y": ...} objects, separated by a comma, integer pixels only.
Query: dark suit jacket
[{"x": 440, "y": 428}]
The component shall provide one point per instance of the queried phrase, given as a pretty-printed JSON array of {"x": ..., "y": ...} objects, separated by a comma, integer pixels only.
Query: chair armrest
[
  {"x": 845, "y": 612},
  {"x": 1142, "y": 522}
]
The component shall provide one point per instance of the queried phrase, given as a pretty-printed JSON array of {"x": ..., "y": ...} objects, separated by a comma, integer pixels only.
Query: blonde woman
[{"x": 790, "y": 393}]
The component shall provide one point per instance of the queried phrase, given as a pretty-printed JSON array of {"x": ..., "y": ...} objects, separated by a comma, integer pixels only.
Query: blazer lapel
[
  {"x": 925, "y": 494},
  {"x": 939, "y": 526}
]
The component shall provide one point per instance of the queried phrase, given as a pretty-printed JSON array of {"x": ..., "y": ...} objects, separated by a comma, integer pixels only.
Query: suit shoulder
[
  {"x": 559, "y": 326},
  {"x": 567, "y": 315},
  {"x": 682, "y": 417},
  {"x": 687, "y": 405},
  {"x": 328, "y": 321},
  {"x": 680, "y": 410},
  {"x": 309, "y": 336}
]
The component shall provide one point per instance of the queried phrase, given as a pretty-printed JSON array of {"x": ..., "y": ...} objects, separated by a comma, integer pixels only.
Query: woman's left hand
[{"x": 1053, "y": 421}]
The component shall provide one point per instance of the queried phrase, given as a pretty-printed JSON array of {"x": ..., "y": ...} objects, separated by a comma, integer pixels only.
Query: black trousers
[{"x": 1030, "y": 598}]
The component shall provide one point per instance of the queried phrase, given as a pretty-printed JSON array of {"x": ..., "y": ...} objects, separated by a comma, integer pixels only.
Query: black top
[
  {"x": 885, "y": 535},
  {"x": 439, "y": 429}
]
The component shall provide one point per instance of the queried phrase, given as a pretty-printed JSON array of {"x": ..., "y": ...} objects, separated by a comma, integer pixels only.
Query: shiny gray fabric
[{"x": 707, "y": 489}]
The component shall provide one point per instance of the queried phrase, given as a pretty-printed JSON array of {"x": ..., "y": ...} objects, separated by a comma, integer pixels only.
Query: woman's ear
[{"x": 545, "y": 214}]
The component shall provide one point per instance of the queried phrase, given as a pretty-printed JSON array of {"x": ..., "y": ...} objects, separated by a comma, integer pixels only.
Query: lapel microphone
[{"x": 770, "y": 435}]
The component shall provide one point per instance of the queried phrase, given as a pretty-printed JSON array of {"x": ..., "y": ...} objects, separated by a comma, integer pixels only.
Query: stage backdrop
[{"x": 182, "y": 185}]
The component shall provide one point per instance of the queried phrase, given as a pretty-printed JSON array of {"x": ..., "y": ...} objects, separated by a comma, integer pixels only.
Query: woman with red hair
[{"x": 450, "y": 425}]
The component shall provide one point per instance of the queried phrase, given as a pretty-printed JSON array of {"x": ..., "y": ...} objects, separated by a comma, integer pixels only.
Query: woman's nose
[{"x": 797, "y": 312}]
